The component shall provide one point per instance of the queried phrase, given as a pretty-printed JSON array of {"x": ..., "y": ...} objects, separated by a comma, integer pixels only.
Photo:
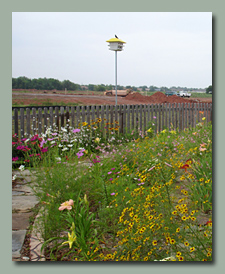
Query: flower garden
[{"x": 105, "y": 196}]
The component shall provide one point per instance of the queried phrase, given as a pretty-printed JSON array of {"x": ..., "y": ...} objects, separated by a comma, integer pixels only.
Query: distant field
[
  {"x": 23, "y": 98},
  {"x": 201, "y": 95}
]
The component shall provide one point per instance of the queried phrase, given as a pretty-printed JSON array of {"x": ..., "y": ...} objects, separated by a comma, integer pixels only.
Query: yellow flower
[
  {"x": 203, "y": 118},
  {"x": 71, "y": 239},
  {"x": 154, "y": 242},
  {"x": 192, "y": 249},
  {"x": 97, "y": 140}
]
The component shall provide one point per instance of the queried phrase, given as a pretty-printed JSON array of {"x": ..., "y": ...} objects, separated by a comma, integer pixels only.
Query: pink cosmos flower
[
  {"x": 76, "y": 130},
  {"x": 80, "y": 153},
  {"x": 151, "y": 168},
  {"x": 66, "y": 205},
  {"x": 42, "y": 143},
  {"x": 168, "y": 164},
  {"x": 113, "y": 193}
]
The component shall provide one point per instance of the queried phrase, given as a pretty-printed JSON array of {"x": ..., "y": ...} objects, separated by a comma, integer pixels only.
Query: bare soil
[{"x": 40, "y": 98}]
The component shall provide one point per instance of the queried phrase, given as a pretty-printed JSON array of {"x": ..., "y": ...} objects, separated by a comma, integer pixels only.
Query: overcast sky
[{"x": 162, "y": 48}]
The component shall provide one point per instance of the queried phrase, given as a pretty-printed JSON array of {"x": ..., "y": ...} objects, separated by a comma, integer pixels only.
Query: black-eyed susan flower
[
  {"x": 183, "y": 218},
  {"x": 154, "y": 242},
  {"x": 192, "y": 249}
]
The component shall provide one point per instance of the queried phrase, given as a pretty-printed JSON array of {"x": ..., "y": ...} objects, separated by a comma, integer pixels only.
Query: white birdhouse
[{"x": 115, "y": 44}]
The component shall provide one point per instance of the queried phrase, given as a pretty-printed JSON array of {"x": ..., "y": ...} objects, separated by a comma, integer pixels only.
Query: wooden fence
[{"x": 30, "y": 121}]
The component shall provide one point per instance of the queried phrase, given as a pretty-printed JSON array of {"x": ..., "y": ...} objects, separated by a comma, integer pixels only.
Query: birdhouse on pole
[{"x": 116, "y": 44}]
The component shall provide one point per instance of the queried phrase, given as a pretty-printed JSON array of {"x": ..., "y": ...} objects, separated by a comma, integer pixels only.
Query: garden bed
[{"x": 146, "y": 198}]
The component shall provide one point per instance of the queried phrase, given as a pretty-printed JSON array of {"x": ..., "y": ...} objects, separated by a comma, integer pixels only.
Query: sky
[{"x": 162, "y": 49}]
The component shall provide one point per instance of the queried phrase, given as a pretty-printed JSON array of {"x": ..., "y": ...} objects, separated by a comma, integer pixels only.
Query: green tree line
[{"x": 51, "y": 84}]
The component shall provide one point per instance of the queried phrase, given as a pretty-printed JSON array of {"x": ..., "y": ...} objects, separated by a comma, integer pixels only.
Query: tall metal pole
[{"x": 116, "y": 74}]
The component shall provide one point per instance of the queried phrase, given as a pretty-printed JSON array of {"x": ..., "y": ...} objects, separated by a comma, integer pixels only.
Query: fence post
[
  {"x": 16, "y": 122},
  {"x": 51, "y": 116},
  {"x": 28, "y": 122},
  {"x": 45, "y": 119},
  {"x": 39, "y": 121},
  {"x": 67, "y": 118},
  {"x": 57, "y": 117},
  {"x": 120, "y": 119},
  {"x": 34, "y": 120}
]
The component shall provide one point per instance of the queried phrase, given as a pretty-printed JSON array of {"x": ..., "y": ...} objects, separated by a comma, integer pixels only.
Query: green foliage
[
  {"x": 209, "y": 88},
  {"x": 143, "y": 200}
]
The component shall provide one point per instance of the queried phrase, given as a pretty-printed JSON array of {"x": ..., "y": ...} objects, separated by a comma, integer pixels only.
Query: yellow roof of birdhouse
[{"x": 115, "y": 40}]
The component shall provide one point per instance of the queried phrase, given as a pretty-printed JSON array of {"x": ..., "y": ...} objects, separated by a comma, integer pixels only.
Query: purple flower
[
  {"x": 109, "y": 172},
  {"x": 154, "y": 117},
  {"x": 80, "y": 153},
  {"x": 20, "y": 147},
  {"x": 110, "y": 179},
  {"x": 34, "y": 137},
  {"x": 95, "y": 161},
  {"x": 113, "y": 193},
  {"x": 50, "y": 139},
  {"x": 14, "y": 159},
  {"x": 54, "y": 134},
  {"x": 44, "y": 149},
  {"x": 76, "y": 130},
  {"x": 113, "y": 168}
]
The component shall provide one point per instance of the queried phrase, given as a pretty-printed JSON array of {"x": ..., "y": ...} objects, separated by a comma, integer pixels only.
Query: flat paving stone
[
  {"x": 24, "y": 203},
  {"x": 16, "y": 193},
  {"x": 25, "y": 188},
  {"x": 17, "y": 242},
  {"x": 20, "y": 221}
]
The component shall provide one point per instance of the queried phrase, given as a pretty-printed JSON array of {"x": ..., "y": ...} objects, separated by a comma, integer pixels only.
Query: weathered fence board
[{"x": 127, "y": 117}]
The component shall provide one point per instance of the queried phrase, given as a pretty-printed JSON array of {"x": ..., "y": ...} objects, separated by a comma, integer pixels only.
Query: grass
[
  {"x": 201, "y": 95},
  {"x": 139, "y": 200}
]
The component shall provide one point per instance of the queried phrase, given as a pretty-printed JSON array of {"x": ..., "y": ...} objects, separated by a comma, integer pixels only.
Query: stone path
[{"x": 23, "y": 203}]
